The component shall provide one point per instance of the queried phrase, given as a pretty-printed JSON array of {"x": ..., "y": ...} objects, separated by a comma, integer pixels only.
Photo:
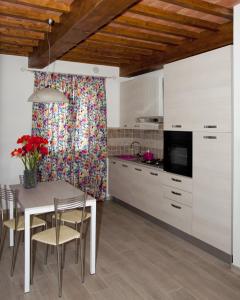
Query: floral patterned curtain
[{"x": 76, "y": 131}]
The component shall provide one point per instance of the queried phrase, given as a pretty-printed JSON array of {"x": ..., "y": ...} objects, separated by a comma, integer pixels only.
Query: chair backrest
[
  {"x": 21, "y": 179},
  {"x": 62, "y": 205},
  {"x": 9, "y": 197}
]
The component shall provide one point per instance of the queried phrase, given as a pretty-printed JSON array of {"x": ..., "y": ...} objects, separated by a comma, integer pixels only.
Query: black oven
[{"x": 178, "y": 152}]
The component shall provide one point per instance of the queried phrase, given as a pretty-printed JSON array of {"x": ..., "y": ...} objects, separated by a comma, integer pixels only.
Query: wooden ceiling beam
[
  {"x": 21, "y": 33},
  {"x": 118, "y": 40},
  {"x": 84, "y": 19},
  {"x": 99, "y": 56},
  {"x": 163, "y": 14},
  {"x": 7, "y": 46},
  {"x": 207, "y": 41},
  {"x": 90, "y": 61},
  {"x": 23, "y": 24},
  {"x": 26, "y": 12},
  {"x": 156, "y": 27},
  {"x": 141, "y": 36},
  {"x": 107, "y": 52},
  {"x": 18, "y": 41},
  {"x": 205, "y": 7},
  {"x": 55, "y": 5},
  {"x": 13, "y": 52},
  {"x": 116, "y": 48}
]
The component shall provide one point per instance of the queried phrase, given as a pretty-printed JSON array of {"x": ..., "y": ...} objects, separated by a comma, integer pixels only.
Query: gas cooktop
[{"x": 158, "y": 163}]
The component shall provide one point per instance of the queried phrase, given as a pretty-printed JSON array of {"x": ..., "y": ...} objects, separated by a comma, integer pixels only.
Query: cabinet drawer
[
  {"x": 177, "y": 215},
  {"x": 179, "y": 182},
  {"x": 177, "y": 195}
]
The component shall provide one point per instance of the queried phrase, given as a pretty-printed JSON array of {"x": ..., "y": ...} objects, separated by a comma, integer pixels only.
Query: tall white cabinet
[
  {"x": 212, "y": 202},
  {"x": 198, "y": 97}
]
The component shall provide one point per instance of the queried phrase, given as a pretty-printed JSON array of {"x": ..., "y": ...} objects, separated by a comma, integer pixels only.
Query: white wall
[{"x": 15, "y": 112}]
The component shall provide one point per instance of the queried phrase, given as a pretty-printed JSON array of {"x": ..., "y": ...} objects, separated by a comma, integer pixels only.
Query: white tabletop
[{"x": 45, "y": 192}]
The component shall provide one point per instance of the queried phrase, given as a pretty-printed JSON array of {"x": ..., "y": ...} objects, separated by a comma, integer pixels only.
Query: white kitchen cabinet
[
  {"x": 198, "y": 92},
  {"x": 212, "y": 204},
  {"x": 140, "y": 97}
]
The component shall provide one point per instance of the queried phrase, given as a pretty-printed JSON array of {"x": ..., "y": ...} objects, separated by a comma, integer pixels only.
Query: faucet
[{"x": 132, "y": 147}]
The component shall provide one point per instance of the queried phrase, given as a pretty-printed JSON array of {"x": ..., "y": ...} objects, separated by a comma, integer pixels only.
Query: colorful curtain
[{"x": 76, "y": 131}]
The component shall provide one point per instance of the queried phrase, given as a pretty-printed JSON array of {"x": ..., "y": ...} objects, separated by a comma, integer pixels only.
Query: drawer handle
[
  {"x": 138, "y": 169},
  {"x": 176, "y": 126},
  {"x": 210, "y": 137},
  {"x": 177, "y": 180},
  {"x": 125, "y": 166},
  {"x": 175, "y": 193},
  {"x": 154, "y": 174},
  {"x": 176, "y": 206},
  {"x": 113, "y": 162},
  {"x": 210, "y": 126}
]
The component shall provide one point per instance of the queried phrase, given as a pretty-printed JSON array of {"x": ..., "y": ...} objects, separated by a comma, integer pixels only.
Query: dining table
[{"x": 40, "y": 200}]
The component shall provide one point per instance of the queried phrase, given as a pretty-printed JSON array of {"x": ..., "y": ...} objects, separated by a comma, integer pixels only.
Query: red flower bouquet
[{"x": 32, "y": 150}]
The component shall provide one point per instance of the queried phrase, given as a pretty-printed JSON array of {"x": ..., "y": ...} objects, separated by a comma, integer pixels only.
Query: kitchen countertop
[{"x": 137, "y": 162}]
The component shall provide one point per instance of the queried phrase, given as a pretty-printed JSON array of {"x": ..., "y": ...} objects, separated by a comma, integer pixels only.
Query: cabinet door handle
[
  {"x": 210, "y": 126},
  {"x": 176, "y": 206},
  {"x": 137, "y": 169},
  {"x": 210, "y": 137},
  {"x": 177, "y": 180},
  {"x": 125, "y": 166},
  {"x": 176, "y": 126},
  {"x": 154, "y": 174},
  {"x": 175, "y": 193}
]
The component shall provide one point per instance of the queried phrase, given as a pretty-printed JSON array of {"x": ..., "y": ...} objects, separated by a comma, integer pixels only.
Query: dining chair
[
  {"x": 59, "y": 235},
  {"x": 74, "y": 217},
  {"x": 10, "y": 196}
]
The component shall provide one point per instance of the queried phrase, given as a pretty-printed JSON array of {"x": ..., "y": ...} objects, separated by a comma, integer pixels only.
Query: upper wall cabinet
[
  {"x": 198, "y": 92},
  {"x": 140, "y": 97}
]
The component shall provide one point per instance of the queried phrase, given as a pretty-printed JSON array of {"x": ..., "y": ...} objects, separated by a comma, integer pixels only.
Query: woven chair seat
[
  {"x": 74, "y": 216},
  {"x": 48, "y": 236},
  {"x": 35, "y": 222}
]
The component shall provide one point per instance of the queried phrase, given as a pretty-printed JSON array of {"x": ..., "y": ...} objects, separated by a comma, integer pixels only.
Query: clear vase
[{"x": 30, "y": 178}]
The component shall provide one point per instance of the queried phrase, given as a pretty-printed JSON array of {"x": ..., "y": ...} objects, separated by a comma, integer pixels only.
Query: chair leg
[
  {"x": 76, "y": 246},
  {"x": 46, "y": 254},
  {"x": 3, "y": 237},
  {"x": 52, "y": 247},
  {"x": 59, "y": 259},
  {"x": 63, "y": 255},
  {"x": 82, "y": 260},
  {"x": 15, "y": 251}
]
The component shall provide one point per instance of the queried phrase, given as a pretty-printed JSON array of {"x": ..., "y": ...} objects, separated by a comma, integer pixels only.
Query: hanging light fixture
[{"x": 48, "y": 94}]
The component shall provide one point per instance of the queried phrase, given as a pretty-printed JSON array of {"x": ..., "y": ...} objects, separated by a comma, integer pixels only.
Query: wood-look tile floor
[{"x": 136, "y": 260}]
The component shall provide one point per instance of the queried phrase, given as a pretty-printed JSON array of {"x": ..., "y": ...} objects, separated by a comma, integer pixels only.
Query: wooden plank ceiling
[{"x": 138, "y": 36}]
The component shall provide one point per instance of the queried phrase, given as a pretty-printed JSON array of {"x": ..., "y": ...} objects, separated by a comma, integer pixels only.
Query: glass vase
[{"x": 30, "y": 178}]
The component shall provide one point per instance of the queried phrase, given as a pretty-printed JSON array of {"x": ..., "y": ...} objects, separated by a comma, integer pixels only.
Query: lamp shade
[{"x": 48, "y": 95}]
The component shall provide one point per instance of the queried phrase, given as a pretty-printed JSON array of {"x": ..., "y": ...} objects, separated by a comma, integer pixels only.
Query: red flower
[{"x": 43, "y": 150}]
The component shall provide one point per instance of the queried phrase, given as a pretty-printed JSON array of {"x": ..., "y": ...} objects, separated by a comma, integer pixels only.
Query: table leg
[
  {"x": 93, "y": 240},
  {"x": 27, "y": 252},
  {"x": 11, "y": 217}
]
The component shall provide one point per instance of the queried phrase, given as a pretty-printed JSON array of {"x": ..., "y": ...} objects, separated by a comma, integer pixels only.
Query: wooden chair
[
  {"x": 61, "y": 234},
  {"x": 8, "y": 195}
]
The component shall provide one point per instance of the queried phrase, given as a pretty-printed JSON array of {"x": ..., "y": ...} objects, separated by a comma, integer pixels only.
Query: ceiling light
[{"x": 48, "y": 94}]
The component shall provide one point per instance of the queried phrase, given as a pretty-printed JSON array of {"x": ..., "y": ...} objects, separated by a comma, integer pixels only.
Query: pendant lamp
[{"x": 48, "y": 94}]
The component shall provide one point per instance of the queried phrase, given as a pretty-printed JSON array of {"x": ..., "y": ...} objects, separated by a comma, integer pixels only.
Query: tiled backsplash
[{"x": 120, "y": 140}]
